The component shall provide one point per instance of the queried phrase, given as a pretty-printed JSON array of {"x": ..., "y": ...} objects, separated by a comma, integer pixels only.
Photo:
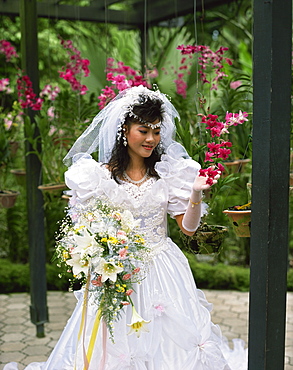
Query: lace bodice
[
  {"x": 153, "y": 214},
  {"x": 150, "y": 202}
]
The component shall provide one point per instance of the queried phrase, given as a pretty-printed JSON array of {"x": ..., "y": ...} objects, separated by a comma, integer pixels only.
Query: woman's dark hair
[{"x": 149, "y": 110}]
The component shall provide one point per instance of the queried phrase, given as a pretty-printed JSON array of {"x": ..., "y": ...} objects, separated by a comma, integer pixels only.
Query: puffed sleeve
[
  {"x": 85, "y": 178},
  {"x": 178, "y": 171}
]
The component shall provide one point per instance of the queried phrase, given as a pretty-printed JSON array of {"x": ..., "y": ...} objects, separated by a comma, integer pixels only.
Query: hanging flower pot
[
  {"x": 14, "y": 145},
  {"x": 8, "y": 198},
  {"x": 207, "y": 239},
  {"x": 52, "y": 187},
  {"x": 240, "y": 217},
  {"x": 65, "y": 197},
  {"x": 19, "y": 175},
  {"x": 235, "y": 166}
]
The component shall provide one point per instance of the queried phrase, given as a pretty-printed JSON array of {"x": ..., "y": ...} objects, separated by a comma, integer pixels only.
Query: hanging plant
[
  {"x": 240, "y": 217},
  {"x": 8, "y": 198},
  {"x": 207, "y": 239}
]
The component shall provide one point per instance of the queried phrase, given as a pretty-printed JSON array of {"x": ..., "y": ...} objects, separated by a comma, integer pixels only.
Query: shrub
[{"x": 16, "y": 278}]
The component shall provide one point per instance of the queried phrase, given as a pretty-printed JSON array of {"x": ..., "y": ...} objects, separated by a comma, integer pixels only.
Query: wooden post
[
  {"x": 37, "y": 252},
  {"x": 270, "y": 183}
]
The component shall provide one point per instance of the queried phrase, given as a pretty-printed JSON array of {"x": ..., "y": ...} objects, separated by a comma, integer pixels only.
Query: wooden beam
[
  {"x": 272, "y": 60},
  {"x": 158, "y": 11},
  {"x": 35, "y": 204}
]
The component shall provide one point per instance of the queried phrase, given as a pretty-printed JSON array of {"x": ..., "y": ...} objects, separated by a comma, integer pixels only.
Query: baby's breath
[{"x": 99, "y": 244}]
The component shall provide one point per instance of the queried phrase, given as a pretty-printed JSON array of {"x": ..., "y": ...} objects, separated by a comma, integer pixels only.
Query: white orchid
[
  {"x": 108, "y": 270},
  {"x": 138, "y": 324}
]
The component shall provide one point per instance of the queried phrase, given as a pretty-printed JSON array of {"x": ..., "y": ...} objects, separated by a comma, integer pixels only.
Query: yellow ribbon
[
  {"x": 88, "y": 355},
  {"x": 93, "y": 337}
]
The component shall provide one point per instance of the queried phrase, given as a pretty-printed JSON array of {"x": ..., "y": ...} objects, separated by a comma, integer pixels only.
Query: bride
[{"x": 141, "y": 168}]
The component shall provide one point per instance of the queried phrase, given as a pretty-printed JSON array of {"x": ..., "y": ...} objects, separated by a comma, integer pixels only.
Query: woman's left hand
[{"x": 200, "y": 182}]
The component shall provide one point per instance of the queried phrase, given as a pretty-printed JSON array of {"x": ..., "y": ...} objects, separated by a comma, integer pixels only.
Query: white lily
[
  {"x": 108, "y": 270},
  {"x": 85, "y": 242},
  {"x": 138, "y": 324},
  {"x": 78, "y": 265}
]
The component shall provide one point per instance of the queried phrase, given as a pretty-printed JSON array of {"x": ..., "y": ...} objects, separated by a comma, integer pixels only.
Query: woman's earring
[{"x": 124, "y": 137}]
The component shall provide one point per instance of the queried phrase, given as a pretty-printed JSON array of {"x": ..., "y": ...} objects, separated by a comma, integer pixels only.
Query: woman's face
[{"x": 142, "y": 139}]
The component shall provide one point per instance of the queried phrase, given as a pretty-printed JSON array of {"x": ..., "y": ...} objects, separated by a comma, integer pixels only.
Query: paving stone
[
  {"x": 12, "y": 346},
  {"x": 15, "y": 356},
  {"x": 13, "y": 328},
  {"x": 16, "y": 313},
  {"x": 35, "y": 350},
  {"x": 16, "y": 320},
  {"x": 38, "y": 358},
  {"x": 13, "y": 337},
  {"x": 17, "y": 306},
  {"x": 39, "y": 341}
]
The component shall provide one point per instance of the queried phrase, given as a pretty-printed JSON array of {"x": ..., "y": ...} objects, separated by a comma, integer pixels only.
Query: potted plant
[
  {"x": 206, "y": 240},
  {"x": 240, "y": 217}
]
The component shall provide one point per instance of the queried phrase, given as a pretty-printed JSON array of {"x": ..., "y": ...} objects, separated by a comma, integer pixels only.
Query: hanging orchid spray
[{"x": 219, "y": 150}]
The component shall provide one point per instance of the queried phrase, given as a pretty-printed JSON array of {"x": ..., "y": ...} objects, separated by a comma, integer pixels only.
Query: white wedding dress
[{"x": 181, "y": 335}]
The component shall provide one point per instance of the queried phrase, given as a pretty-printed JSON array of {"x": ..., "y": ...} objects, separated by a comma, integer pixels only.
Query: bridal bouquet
[{"x": 100, "y": 245}]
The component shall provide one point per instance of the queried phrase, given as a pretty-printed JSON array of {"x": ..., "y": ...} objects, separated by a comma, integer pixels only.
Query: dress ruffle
[
  {"x": 87, "y": 178},
  {"x": 178, "y": 170}
]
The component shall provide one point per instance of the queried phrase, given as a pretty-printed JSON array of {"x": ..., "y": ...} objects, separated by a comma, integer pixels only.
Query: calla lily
[
  {"x": 108, "y": 270},
  {"x": 138, "y": 324}
]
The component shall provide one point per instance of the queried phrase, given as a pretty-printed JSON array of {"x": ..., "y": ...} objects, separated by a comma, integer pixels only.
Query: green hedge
[{"x": 15, "y": 277}]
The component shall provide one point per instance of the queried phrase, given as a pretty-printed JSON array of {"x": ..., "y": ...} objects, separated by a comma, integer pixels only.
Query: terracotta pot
[
  {"x": 235, "y": 166},
  {"x": 65, "y": 197},
  {"x": 20, "y": 175},
  {"x": 52, "y": 187},
  {"x": 14, "y": 145},
  {"x": 241, "y": 221},
  {"x": 8, "y": 198}
]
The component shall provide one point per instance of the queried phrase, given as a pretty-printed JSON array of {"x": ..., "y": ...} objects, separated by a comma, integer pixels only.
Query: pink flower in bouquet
[
  {"x": 126, "y": 277},
  {"x": 97, "y": 281},
  {"x": 123, "y": 253},
  {"x": 129, "y": 292}
]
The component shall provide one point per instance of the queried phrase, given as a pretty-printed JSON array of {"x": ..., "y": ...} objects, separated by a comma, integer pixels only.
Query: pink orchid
[
  {"x": 235, "y": 84},
  {"x": 8, "y": 50},
  {"x": 221, "y": 149}
]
